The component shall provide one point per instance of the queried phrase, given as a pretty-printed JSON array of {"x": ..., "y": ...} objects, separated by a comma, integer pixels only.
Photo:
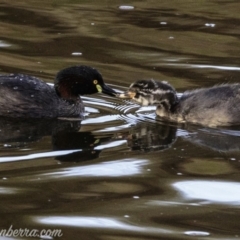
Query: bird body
[
  {"x": 29, "y": 97},
  {"x": 214, "y": 106},
  {"x": 23, "y": 95}
]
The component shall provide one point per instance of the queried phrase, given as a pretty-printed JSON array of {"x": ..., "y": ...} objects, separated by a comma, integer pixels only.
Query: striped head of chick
[{"x": 151, "y": 92}]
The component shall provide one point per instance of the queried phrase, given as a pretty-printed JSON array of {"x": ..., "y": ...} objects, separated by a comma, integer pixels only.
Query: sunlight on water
[
  {"x": 9, "y": 238},
  {"x": 100, "y": 223},
  {"x": 111, "y": 144},
  {"x": 100, "y": 104},
  {"x": 131, "y": 107},
  {"x": 212, "y": 191},
  {"x": 101, "y": 119},
  {"x": 59, "y": 153},
  {"x": 229, "y": 68},
  {"x": 9, "y": 190},
  {"x": 114, "y": 129},
  {"x": 125, "y": 7},
  {"x": 223, "y": 131},
  {"x": 117, "y": 168},
  {"x": 197, "y": 233},
  {"x": 182, "y": 132},
  {"x": 89, "y": 222},
  {"x": 4, "y": 44},
  {"x": 37, "y": 155},
  {"x": 146, "y": 109},
  {"x": 170, "y": 203},
  {"x": 91, "y": 110}
]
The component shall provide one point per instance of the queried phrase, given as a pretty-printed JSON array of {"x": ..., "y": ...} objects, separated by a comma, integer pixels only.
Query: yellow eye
[{"x": 95, "y": 82}]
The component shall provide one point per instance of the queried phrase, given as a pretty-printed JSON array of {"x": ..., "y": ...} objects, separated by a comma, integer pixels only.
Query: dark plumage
[
  {"x": 29, "y": 97},
  {"x": 215, "y": 106}
]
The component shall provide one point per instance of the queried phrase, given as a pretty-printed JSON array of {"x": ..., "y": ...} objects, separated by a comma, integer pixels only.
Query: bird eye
[{"x": 95, "y": 82}]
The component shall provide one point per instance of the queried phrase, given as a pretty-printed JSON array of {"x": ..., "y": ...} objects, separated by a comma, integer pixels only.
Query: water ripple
[{"x": 125, "y": 111}]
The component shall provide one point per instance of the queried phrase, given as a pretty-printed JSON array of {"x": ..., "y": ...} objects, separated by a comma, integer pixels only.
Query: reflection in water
[
  {"x": 159, "y": 136},
  {"x": 67, "y": 142},
  {"x": 151, "y": 137},
  {"x": 210, "y": 191},
  {"x": 66, "y": 135},
  {"x": 222, "y": 140},
  {"x": 30, "y": 130}
]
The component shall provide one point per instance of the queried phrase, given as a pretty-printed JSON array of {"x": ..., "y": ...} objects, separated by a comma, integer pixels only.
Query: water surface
[{"x": 121, "y": 173}]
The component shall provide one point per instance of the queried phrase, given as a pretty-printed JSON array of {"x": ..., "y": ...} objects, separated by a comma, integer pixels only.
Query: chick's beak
[
  {"x": 127, "y": 95},
  {"x": 109, "y": 91}
]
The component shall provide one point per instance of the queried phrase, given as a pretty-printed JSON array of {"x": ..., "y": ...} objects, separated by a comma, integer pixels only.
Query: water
[{"x": 121, "y": 173}]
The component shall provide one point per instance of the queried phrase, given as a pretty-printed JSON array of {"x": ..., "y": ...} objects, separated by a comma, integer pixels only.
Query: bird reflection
[
  {"x": 146, "y": 137},
  {"x": 162, "y": 136},
  {"x": 65, "y": 135},
  {"x": 216, "y": 139},
  {"x": 151, "y": 137},
  {"x": 67, "y": 140},
  {"x": 31, "y": 130}
]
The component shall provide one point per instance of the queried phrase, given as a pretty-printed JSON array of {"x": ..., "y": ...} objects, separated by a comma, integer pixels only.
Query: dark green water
[{"x": 121, "y": 173}]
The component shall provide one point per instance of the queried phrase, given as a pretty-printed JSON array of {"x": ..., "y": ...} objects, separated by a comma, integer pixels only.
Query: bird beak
[
  {"x": 127, "y": 95},
  {"x": 107, "y": 90}
]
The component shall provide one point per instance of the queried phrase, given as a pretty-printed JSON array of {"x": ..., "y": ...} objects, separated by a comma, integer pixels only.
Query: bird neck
[
  {"x": 168, "y": 98},
  {"x": 64, "y": 91}
]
